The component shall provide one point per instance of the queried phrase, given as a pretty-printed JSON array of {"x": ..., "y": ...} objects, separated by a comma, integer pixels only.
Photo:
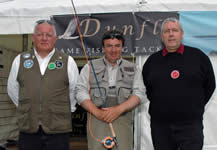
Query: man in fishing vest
[
  {"x": 41, "y": 84},
  {"x": 116, "y": 88}
]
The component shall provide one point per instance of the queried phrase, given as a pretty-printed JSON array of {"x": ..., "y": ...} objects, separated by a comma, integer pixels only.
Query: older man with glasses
[{"x": 41, "y": 84}]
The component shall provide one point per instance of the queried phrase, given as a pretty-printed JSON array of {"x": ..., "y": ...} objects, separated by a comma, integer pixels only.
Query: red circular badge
[{"x": 175, "y": 74}]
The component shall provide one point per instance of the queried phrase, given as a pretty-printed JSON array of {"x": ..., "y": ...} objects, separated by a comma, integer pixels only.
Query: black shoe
[
  {"x": 11, "y": 143},
  {"x": 2, "y": 148}
]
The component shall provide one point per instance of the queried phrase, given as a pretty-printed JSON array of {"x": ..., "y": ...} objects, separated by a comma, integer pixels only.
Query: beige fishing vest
[{"x": 124, "y": 81}]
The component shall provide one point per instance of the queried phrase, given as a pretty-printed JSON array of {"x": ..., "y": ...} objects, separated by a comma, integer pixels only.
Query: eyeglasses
[
  {"x": 111, "y": 35},
  {"x": 44, "y": 21}
]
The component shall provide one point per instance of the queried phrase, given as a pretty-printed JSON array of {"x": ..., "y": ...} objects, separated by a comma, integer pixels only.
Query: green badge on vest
[{"x": 51, "y": 66}]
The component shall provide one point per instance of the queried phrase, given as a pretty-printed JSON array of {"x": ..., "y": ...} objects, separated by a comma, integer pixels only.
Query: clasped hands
[{"x": 108, "y": 114}]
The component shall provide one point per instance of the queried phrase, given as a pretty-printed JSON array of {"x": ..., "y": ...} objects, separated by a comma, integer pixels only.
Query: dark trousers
[
  {"x": 43, "y": 141},
  {"x": 177, "y": 136}
]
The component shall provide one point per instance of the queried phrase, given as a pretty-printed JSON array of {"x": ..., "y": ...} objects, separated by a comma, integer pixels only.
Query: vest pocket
[
  {"x": 124, "y": 94},
  {"x": 128, "y": 77},
  {"x": 96, "y": 97},
  {"x": 60, "y": 117},
  {"x": 24, "y": 120}
]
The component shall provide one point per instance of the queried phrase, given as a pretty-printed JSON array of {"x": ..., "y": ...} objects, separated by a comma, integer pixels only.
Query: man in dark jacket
[{"x": 179, "y": 81}]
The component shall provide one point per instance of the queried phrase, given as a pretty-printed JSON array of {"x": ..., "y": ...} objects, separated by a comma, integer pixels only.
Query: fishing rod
[{"x": 108, "y": 142}]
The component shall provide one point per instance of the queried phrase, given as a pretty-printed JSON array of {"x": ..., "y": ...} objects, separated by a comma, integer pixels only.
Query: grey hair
[
  {"x": 213, "y": 53},
  {"x": 171, "y": 19},
  {"x": 44, "y": 21}
]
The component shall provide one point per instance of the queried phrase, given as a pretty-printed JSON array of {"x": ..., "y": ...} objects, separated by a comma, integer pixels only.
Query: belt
[{"x": 112, "y": 87}]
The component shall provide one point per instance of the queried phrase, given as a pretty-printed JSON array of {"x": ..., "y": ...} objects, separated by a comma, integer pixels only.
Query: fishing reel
[{"x": 108, "y": 142}]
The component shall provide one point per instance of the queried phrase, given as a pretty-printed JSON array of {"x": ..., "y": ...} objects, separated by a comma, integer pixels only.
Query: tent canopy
[{"x": 19, "y": 16}]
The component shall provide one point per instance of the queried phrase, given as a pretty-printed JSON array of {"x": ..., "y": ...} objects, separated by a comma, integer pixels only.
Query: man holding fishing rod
[{"x": 109, "y": 88}]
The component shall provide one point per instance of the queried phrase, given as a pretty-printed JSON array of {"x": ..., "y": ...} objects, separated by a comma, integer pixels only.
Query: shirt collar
[
  {"x": 180, "y": 50},
  {"x": 48, "y": 56},
  {"x": 107, "y": 63}
]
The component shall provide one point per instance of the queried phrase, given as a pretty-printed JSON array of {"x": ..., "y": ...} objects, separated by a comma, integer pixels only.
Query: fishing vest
[
  {"x": 44, "y": 100},
  {"x": 124, "y": 81}
]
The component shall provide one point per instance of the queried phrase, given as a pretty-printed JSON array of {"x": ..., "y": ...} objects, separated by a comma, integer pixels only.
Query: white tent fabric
[
  {"x": 18, "y": 16},
  {"x": 210, "y": 121},
  {"x": 3, "y": 1}
]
